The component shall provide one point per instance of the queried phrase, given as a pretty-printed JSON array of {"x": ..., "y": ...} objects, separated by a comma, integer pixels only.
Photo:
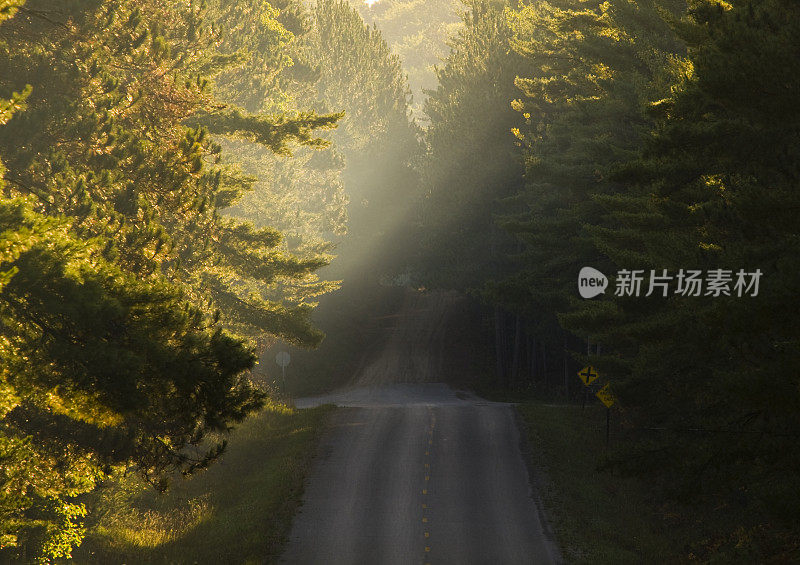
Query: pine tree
[
  {"x": 417, "y": 30},
  {"x": 595, "y": 66},
  {"x": 472, "y": 161},
  {"x": 119, "y": 118},
  {"x": 716, "y": 188},
  {"x": 120, "y": 278},
  {"x": 360, "y": 75}
]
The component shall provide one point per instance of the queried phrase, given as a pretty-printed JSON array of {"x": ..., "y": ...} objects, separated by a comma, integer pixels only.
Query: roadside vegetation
[
  {"x": 169, "y": 191},
  {"x": 658, "y": 136},
  {"x": 603, "y": 516},
  {"x": 239, "y": 511}
]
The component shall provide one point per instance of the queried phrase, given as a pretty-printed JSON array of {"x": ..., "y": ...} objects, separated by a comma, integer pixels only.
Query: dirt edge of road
[{"x": 539, "y": 484}]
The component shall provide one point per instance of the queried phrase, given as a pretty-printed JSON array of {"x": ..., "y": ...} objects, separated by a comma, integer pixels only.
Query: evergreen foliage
[
  {"x": 417, "y": 31},
  {"x": 121, "y": 279},
  {"x": 377, "y": 140},
  {"x": 472, "y": 162},
  {"x": 654, "y": 135},
  {"x": 715, "y": 188}
]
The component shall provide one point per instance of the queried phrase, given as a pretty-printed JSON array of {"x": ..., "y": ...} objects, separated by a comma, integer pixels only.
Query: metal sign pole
[
  {"x": 586, "y": 388},
  {"x": 283, "y": 359}
]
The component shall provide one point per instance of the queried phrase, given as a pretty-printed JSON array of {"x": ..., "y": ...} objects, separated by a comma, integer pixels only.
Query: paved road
[{"x": 415, "y": 473}]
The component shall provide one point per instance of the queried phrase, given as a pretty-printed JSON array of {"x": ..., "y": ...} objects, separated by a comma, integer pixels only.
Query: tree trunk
[
  {"x": 566, "y": 368},
  {"x": 532, "y": 359},
  {"x": 499, "y": 346},
  {"x": 515, "y": 359},
  {"x": 544, "y": 363}
]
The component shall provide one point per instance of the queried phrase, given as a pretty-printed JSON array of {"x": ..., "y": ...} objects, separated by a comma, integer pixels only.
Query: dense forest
[
  {"x": 659, "y": 136},
  {"x": 186, "y": 186},
  {"x": 134, "y": 298},
  {"x": 418, "y": 32}
]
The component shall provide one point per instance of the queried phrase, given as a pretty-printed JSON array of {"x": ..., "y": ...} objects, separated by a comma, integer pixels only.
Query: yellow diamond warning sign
[
  {"x": 605, "y": 395},
  {"x": 588, "y": 375}
]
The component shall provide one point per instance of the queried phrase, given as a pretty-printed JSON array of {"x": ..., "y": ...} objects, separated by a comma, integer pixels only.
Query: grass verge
[
  {"x": 598, "y": 516},
  {"x": 239, "y": 511},
  {"x": 603, "y": 516}
]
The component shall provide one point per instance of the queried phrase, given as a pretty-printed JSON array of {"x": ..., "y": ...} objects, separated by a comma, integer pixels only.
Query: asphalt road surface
[{"x": 416, "y": 473}]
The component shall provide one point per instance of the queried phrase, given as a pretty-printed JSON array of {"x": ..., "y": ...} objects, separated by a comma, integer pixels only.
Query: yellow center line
[{"x": 426, "y": 533}]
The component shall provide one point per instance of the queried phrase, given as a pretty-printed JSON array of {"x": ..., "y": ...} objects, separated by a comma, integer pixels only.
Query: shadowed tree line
[{"x": 643, "y": 135}]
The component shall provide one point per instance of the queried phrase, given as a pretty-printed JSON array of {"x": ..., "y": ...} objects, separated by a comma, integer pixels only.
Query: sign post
[
  {"x": 282, "y": 359},
  {"x": 588, "y": 375},
  {"x": 607, "y": 398}
]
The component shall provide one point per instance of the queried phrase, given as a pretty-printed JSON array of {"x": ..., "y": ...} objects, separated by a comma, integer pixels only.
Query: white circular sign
[{"x": 283, "y": 358}]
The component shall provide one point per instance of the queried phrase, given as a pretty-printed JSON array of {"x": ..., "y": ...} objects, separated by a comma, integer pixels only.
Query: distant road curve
[{"x": 415, "y": 473}]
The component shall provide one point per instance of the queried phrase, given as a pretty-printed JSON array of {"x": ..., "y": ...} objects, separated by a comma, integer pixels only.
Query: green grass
[
  {"x": 599, "y": 516},
  {"x": 602, "y": 516},
  {"x": 238, "y": 511}
]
